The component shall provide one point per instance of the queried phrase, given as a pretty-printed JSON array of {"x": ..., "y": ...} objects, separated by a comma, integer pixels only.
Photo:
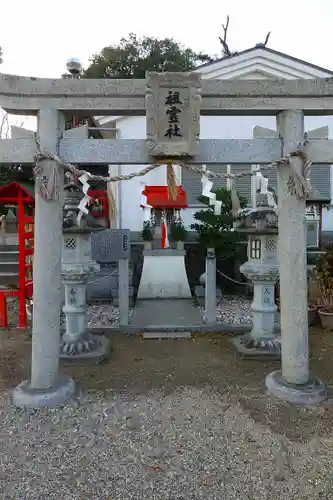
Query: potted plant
[
  {"x": 324, "y": 274},
  {"x": 178, "y": 233},
  {"x": 312, "y": 306},
  {"x": 147, "y": 234}
]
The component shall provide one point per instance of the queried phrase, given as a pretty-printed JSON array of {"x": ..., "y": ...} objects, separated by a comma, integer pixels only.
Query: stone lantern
[
  {"x": 262, "y": 268},
  {"x": 77, "y": 266}
]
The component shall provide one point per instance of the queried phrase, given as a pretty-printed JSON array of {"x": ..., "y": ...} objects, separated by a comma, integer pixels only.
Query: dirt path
[{"x": 138, "y": 366}]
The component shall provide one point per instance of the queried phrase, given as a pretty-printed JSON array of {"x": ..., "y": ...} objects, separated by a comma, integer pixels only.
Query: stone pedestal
[
  {"x": 76, "y": 342},
  {"x": 263, "y": 270},
  {"x": 262, "y": 341},
  {"x": 76, "y": 268},
  {"x": 164, "y": 275}
]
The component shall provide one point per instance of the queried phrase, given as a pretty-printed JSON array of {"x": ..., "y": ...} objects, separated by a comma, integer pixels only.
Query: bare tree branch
[
  {"x": 267, "y": 38},
  {"x": 4, "y": 125},
  {"x": 223, "y": 41}
]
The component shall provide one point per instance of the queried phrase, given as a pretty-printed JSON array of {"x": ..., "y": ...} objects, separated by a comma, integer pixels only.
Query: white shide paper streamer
[
  {"x": 86, "y": 198},
  {"x": 146, "y": 208},
  {"x": 261, "y": 183},
  {"x": 206, "y": 191}
]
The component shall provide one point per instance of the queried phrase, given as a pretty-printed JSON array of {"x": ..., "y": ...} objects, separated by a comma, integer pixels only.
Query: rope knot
[{"x": 299, "y": 183}]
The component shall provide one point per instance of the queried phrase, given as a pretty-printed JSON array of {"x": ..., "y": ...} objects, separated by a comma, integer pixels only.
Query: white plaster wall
[
  {"x": 130, "y": 213},
  {"x": 211, "y": 127}
]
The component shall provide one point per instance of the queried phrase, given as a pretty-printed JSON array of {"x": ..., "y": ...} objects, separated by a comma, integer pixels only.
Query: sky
[{"x": 39, "y": 36}]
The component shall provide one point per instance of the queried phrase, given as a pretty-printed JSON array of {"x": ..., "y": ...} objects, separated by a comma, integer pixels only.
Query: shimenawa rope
[{"x": 298, "y": 185}]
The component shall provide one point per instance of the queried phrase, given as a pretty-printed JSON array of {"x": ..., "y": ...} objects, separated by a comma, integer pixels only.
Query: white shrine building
[{"x": 258, "y": 62}]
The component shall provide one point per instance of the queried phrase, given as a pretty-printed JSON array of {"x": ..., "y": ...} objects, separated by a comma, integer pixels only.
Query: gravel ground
[
  {"x": 232, "y": 309},
  {"x": 183, "y": 419},
  {"x": 101, "y": 314},
  {"x": 229, "y": 309},
  {"x": 191, "y": 444}
]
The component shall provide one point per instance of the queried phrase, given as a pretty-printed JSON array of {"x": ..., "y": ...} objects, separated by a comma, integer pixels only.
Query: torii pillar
[
  {"x": 293, "y": 383},
  {"x": 46, "y": 388}
]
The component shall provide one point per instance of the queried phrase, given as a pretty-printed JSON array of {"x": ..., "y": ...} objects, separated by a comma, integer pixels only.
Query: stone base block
[
  {"x": 312, "y": 393},
  {"x": 252, "y": 348},
  {"x": 164, "y": 275},
  {"x": 99, "y": 349},
  {"x": 24, "y": 396}
]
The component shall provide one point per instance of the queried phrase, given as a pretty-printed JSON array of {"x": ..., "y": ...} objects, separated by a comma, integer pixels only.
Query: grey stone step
[
  {"x": 9, "y": 256},
  {"x": 9, "y": 267},
  {"x": 9, "y": 278},
  {"x": 161, "y": 314},
  {"x": 8, "y": 248}
]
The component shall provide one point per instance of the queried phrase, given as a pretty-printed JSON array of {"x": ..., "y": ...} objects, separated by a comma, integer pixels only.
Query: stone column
[
  {"x": 210, "y": 287},
  {"x": 123, "y": 293},
  {"x": 46, "y": 388},
  {"x": 293, "y": 383}
]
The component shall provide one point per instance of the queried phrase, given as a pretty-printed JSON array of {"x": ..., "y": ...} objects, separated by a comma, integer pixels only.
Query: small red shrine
[
  {"x": 159, "y": 205},
  {"x": 20, "y": 194},
  {"x": 158, "y": 198}
]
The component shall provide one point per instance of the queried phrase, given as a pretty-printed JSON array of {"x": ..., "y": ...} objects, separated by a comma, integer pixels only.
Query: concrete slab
[
  {"x": 162, "y": 313},
  {"x": 167, "y": 335}
]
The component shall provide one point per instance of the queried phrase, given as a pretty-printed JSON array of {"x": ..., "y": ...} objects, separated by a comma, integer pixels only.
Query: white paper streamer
[
  {"x": 206, "y": 191},
  {"x": 271, "y": 201},
  {"x": 86, "y": 198},
  {"x": 262, "y": 184},
  {"x": 146, "y": 208}
]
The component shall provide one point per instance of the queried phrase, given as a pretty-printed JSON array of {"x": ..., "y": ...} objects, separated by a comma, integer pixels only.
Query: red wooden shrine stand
[{"x": 20, "y": 195}]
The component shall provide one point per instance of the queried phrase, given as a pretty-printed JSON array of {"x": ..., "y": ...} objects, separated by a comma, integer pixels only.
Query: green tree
[
  {"x": 133, "y": 56},
  {"x": 11, "y": 173},
  {"x": 215, "y": 231}
]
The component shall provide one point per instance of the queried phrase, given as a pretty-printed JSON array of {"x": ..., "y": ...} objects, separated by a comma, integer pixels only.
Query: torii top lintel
[{"x": 26, "y": 95}]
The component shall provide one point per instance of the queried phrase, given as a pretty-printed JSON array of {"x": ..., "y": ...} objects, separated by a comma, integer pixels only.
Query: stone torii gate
[{"x": 52, "y": 99}]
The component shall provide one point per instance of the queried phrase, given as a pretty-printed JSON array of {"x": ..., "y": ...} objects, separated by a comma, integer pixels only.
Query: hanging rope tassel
[
  {"x": 111, "y": 203},
  {"x": 172, "y": 182},
  {"x": 235, "y": 204},
  {"x": 299, "y": 183},
  {"x": 47, "y": 182}
]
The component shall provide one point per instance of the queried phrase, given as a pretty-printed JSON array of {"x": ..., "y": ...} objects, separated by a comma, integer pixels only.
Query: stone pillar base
[
  {"x": 86, "y": 347},
  {"x": 312, "y": 393},
  {"x": 250, "y": 347},
  {"x": 24, "y": 396}
]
